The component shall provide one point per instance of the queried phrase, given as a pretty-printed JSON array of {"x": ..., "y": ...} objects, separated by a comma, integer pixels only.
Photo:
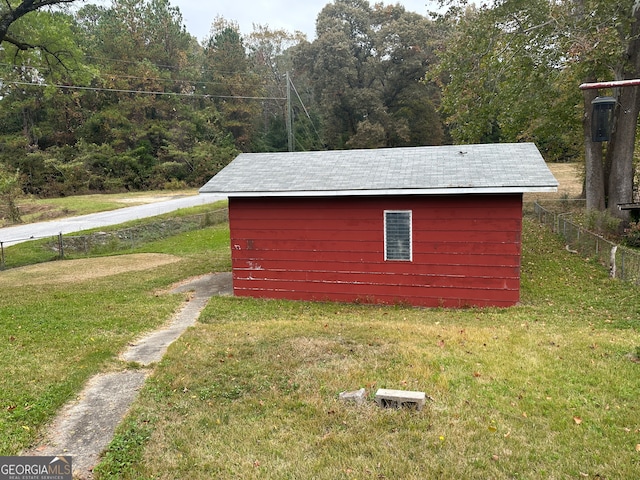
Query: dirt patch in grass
[
  {"x": 85, "y": 269},
  {"x": 569, "y": 175}
]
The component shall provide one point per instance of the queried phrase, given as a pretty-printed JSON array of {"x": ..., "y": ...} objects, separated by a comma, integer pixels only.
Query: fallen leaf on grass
[
  {"x": 577, "y": 420},
  {"x": 638, "y": 447}
]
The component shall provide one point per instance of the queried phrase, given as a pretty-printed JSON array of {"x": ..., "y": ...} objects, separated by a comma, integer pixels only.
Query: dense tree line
[
  {"x": 117, "y": 102},
  {"x": 124, "y": 98}
]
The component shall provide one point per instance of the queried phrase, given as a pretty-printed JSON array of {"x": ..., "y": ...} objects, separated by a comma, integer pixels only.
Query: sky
[{"x": 291, "y": 15}]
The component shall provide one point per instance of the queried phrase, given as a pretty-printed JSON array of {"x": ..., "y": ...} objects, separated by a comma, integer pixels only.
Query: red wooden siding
[{"x": 466, "y": 250}]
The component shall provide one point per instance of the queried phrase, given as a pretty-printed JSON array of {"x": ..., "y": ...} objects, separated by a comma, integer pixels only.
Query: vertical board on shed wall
[{"x": 466, "y": 249}]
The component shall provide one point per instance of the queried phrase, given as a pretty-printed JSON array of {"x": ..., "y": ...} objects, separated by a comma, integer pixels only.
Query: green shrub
[
  {"x": 603, "y": 223},
  {"x": 632, "y": 235}
]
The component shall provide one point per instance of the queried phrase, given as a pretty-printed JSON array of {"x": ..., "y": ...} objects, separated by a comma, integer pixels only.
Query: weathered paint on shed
[
  {"x": 466, "y": 250},
  {"x": 311, "y": 225}
]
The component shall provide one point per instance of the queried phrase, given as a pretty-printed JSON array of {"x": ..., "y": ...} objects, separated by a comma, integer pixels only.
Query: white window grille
[{"x": 397, "y": 235}]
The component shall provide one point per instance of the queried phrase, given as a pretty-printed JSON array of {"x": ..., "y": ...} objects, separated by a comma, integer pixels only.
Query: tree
[
  {"x": 11, "y": 12},
  {"x": 117, "y": 111},
  {"x": 9, "y": 192},
  {"x": 366, "y": 66},
  {"x": 272, "y": 53},
  {"x": 146, "y": 54},
  {"x": 513, "y": 70},
  {"x": 620, "y": 34},
  {"x": 232, "y": 82},
  {"x": 502, "y": 78},
  {"x": 34, "y": 116}
]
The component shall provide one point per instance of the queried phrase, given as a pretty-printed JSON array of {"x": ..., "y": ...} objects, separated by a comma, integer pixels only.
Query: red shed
[{"x": 425, "y": 226}]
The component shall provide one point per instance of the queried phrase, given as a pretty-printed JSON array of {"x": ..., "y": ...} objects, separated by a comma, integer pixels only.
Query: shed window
[{"x": 397, "y": 235}]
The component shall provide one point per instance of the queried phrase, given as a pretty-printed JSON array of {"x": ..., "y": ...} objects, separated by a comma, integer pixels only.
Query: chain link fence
[
  {"x": 623, "y": 262},
  {"x": 99, "y": 243}
]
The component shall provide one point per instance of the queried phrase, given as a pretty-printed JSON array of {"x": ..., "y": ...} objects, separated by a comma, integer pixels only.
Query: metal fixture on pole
[{"x": 602, "y": 118}]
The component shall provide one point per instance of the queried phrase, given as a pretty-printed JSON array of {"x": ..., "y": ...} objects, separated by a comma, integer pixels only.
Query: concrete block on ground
[
  {"x": 400, "y": 398},
  {"x": 358, "y": 396}
]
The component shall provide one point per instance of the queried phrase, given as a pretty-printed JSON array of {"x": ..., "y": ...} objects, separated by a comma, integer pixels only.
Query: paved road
[{"x": 23, "y": 233}]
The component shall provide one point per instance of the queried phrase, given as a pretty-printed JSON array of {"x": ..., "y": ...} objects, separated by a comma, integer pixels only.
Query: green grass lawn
[
  {"x": 56, "y": 335},
  {"x": 548, "y": 389}
]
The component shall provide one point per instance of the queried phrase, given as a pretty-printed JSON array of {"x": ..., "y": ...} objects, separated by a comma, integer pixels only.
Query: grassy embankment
[{"x": 43, "y": 209}]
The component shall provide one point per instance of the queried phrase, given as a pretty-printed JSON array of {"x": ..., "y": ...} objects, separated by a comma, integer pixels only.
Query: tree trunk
[
  {"x": 622, "y": 144},
  {"x": 594, "y": 177},
  {"x": 620, "y": 151}
]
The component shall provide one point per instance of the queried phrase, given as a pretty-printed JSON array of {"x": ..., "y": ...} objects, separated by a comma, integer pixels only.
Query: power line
[
  {"x": 161, "y": 66},
  {"x": 133, "y": 62},
  {"x": 140, "y": 92},
  {"x": 304, "y": 108},
  {"x": 114, "y": 76}
]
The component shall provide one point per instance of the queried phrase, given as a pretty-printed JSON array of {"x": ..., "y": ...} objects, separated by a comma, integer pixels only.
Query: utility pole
[{"x": 290, "y": 116}]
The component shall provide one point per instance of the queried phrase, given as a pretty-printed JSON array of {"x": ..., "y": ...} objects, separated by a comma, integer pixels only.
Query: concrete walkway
[{"x": 85, "y": 427}]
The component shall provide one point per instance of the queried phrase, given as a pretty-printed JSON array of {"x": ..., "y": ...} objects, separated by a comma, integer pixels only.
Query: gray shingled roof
[{"x": 493, "y": 168}]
